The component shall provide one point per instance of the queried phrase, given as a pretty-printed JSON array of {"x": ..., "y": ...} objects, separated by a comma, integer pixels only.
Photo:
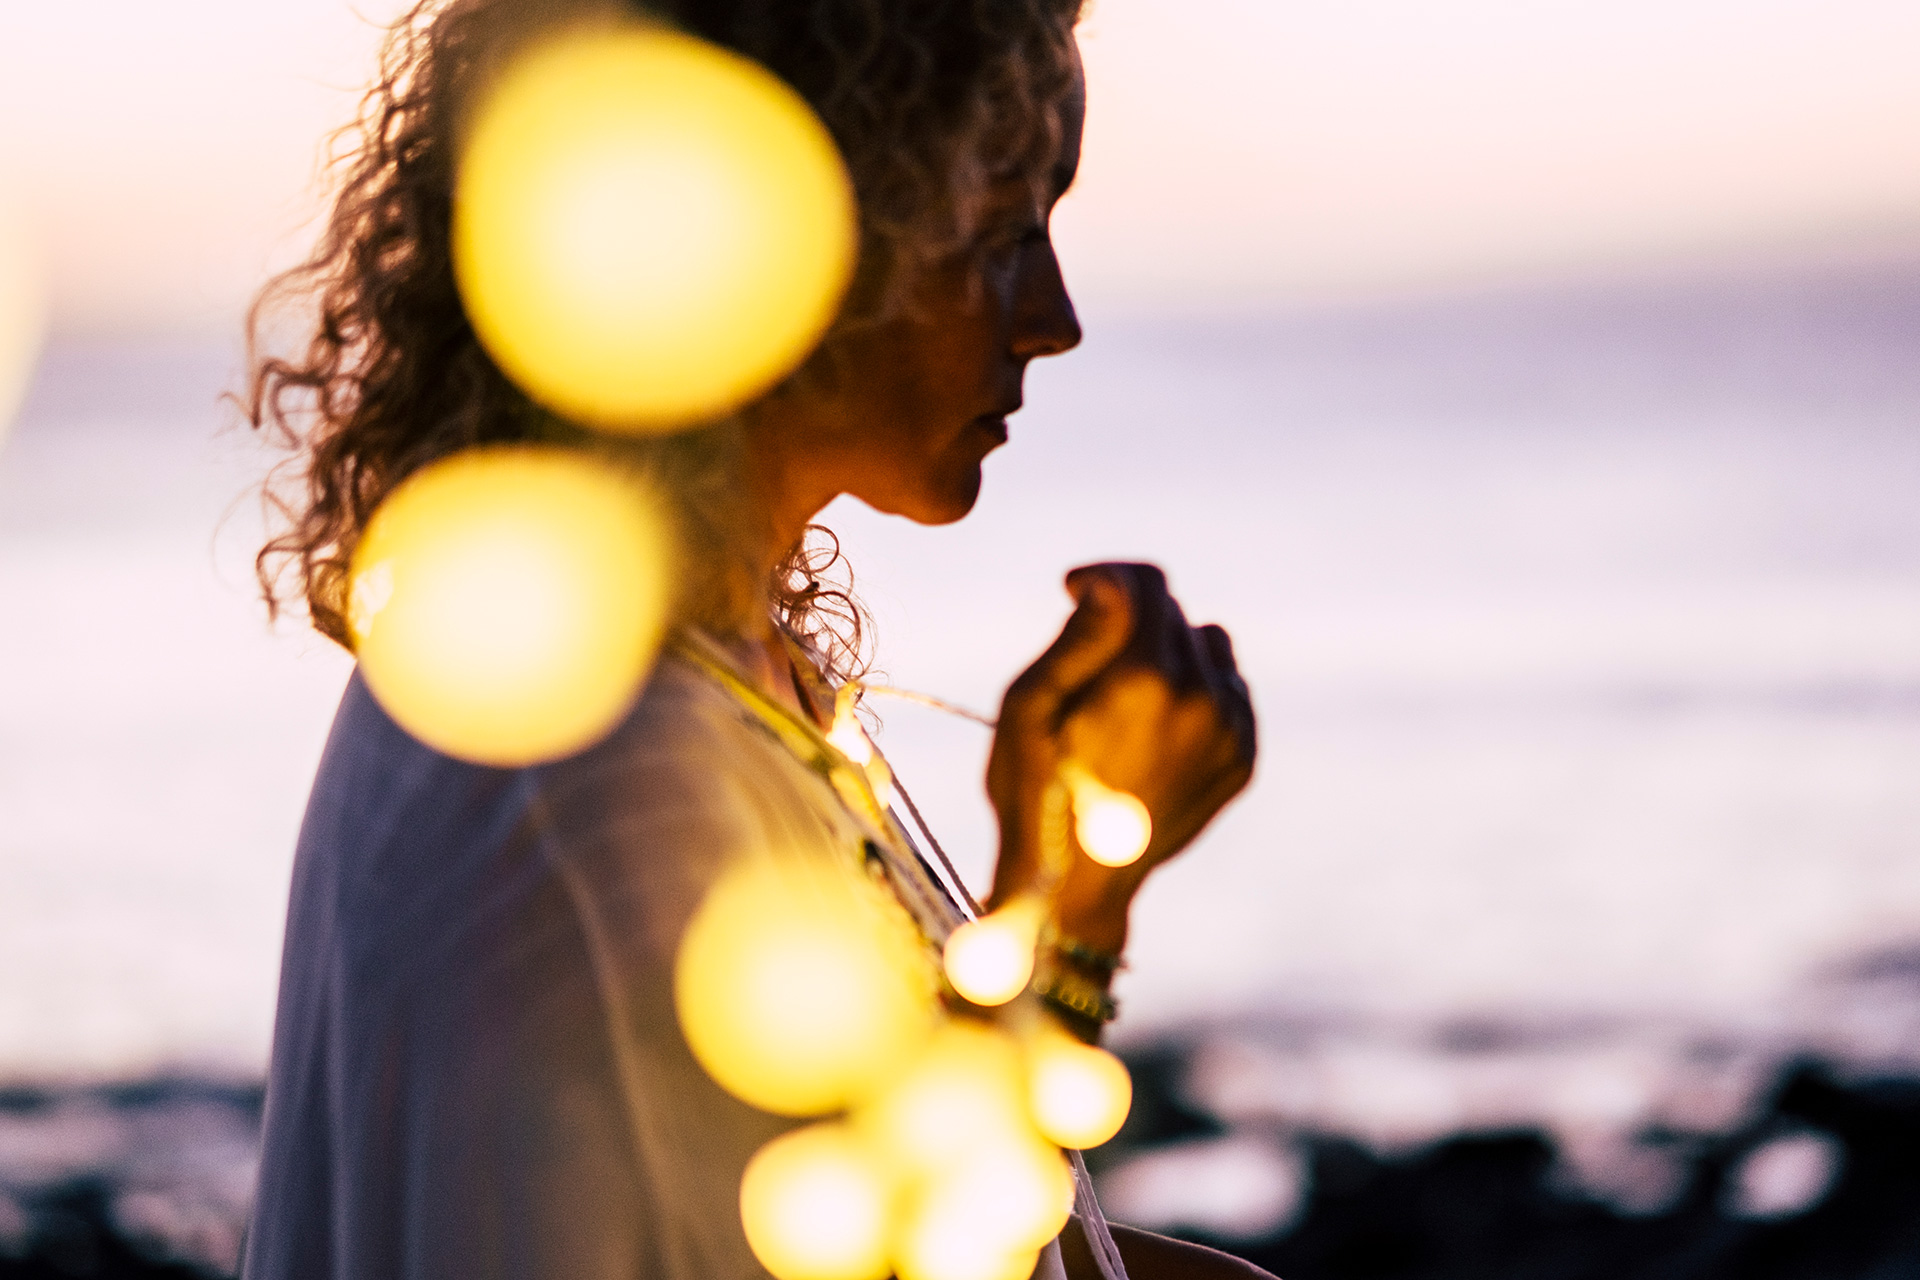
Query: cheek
[
  {"x": 924, "y": 404},
  {"x": 888, "y": 382}
]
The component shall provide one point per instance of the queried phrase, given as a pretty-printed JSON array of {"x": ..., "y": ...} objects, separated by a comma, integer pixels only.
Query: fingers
[
  {"x": 1128, "y": 620},
  {"x": 1229, "y": 690},
  {"x": 1131, "y": 690},
  {"x": 1148, "y": 576},
  {"x": 1161, "y": 640},
  {"x": 1217, "y": 645},
  {"x": 1094, "y": 636}
]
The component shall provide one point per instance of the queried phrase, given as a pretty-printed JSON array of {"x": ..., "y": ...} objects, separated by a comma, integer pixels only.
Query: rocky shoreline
[{"x": 1817, "y": 1178}]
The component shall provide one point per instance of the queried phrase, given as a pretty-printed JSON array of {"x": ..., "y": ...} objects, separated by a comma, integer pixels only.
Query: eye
[{"x": 1009, "y": 236}]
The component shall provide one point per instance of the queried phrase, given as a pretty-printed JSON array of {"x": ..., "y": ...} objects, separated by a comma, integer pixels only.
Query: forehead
[
  {"x": 1066, "y": 163},
  {"x": 1013, "y": 191},
  {"x": 1073, "y": 121}
]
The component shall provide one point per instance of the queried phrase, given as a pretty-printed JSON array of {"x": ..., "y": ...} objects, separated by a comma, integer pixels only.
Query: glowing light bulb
[
  {"x": 648, "y": 230},
  {"x": 988, "y": 1215},
  {"x": 506, "y": 603},
  {"x": 1112, "y": 826},
  {"x": 944, "y": 1243},
  {"x": 23, "y": 314},
  {"x": 1019, "y": 1193},
  {"x": 800, "y": 988},
  {"x": 816, "y": 1205},
  {"x": 964, "y": 1092},
  {"x": 985, "y": 1190},
  {"x": 990, "y": 960},
  {"x": 849, "y": 737},
  {"x": 1079, "y": 1094}
]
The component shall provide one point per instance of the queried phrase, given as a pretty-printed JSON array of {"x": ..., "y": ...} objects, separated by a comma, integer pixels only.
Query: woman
[{"x": 476, "y": 1066}]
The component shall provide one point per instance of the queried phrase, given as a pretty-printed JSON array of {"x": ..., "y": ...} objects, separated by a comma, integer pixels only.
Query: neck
[
  {"x": 790, "y": 487},
  {"x": 788, "y": 493}
]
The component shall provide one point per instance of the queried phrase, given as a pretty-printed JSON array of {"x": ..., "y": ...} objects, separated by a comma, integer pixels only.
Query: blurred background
[{"x": 1531, "y": 386}]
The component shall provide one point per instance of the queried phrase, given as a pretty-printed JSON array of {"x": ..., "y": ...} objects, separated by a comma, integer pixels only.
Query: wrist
[
  {"x": 1094, "y": 905},
  {"x": 1074, "y": 981}
]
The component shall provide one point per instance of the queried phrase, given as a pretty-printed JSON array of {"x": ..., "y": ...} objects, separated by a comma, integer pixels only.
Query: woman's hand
[{"x": 1150, "y": 705}]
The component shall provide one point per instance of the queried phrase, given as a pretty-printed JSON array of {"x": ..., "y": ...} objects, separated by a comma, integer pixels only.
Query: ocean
[{"x": 1583, "y": 622}]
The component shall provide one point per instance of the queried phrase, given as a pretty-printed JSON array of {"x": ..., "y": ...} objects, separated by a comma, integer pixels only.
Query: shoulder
[
  {"x": 641, "y": 824},
  {"x": 687, "y": 753}
]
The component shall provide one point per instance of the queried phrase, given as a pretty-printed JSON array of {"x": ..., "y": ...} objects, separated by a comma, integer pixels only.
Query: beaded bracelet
[
  {"x": 1071, "y": 992},
  {"x": 1076, "y": 1024}
]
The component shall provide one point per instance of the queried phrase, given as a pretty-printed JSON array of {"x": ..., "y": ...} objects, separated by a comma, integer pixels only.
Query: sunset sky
[{"x": 1240, "y": 152}]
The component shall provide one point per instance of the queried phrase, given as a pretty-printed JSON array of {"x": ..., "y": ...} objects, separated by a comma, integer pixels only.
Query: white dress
[{"x": 477, "y": 1071}]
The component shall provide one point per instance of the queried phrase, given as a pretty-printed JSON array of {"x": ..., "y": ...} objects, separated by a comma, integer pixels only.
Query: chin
[
  {"x": 944, "y": 501},
  {"x": 954, "y": 501}
]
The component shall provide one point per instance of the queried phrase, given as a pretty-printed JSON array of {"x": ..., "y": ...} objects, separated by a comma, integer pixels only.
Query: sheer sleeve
[
  {"x": 477, "y": 1069},
  {"x": 702, "y": 780}
]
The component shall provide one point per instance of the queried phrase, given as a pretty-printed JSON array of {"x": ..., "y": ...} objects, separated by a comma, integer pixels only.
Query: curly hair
[{"x": 930, "y": 102}]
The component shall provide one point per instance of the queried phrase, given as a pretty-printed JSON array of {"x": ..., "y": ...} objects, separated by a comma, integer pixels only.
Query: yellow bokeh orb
[
  {"x": 986, "y": 1215},
  {"x": 1112, "y": 826},
  {"x": 800, "y": 988},
  {"x": 1079, "y": 1094},
  {"x": 965, "y": 1091},
  {"x": 938, "y": 1245},
  {"x": 1016, "y": 1193},
  {"x": 817, "y": 1205},
  {"x": 648, "y": 230},
  {"x": 990, "y": 960},
  {"x": 506, "y": 603},
  {"x": 23, "y": 313}
]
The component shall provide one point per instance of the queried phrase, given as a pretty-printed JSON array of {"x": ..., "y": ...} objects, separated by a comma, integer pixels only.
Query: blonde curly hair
[{"x": 931, "y": 103}]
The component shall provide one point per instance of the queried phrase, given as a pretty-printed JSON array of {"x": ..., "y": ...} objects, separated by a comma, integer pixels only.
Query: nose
[{"x": 1044, "y": 323}]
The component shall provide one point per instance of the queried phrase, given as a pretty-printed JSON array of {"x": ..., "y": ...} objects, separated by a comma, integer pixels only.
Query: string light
[
  {"x": 648, "y": 230},
  {"x": 816, "y": 1205},
  {"x": 800, "y": 988},
  {"x": 849, "y": 738},
  {"x": 943, "y": 1240},
  {"x": 987, "y": 1214},
  {"x": 507, "y": 603},
  {"x": 1113, "y": 826},
  {"x": 985, "y": 1189},
  {"x": 964, "y": 1091},
  {"x": 1079, "y": 1094},
  {"x": 968, "y": 1137},
  {"x": 1017, "y": 1194},
  {"x": 990, "y": 960}
]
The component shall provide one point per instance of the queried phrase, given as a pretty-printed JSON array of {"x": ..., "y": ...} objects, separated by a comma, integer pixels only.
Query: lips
[{"x": 993, "y": 425}]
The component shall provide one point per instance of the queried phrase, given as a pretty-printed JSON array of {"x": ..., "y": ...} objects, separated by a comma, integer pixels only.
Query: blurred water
[
  {"x": 156, "y": 742},
  {"x": 1584, "y": 625}
]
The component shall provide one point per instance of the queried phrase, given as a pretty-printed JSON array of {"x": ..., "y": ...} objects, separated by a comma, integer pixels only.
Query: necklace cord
[
  {"x": 703, "y": 653},
  {"x": 967, "y": 899}
]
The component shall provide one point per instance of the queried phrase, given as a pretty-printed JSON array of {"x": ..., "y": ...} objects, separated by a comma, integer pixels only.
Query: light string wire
[
  {"x": 966, "y": 899},
  {"x": 928, "y": 700},
  {"x": 707, "y": 656},
  {"x": 1107, "y": 1259}
]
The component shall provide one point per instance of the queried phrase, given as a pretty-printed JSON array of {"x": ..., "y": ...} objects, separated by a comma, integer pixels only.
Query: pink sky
[{"x": 1239, "y": 151}]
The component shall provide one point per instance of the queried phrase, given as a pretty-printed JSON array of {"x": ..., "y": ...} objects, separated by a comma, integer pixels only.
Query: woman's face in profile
[{"x": 917, "y": 404}]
